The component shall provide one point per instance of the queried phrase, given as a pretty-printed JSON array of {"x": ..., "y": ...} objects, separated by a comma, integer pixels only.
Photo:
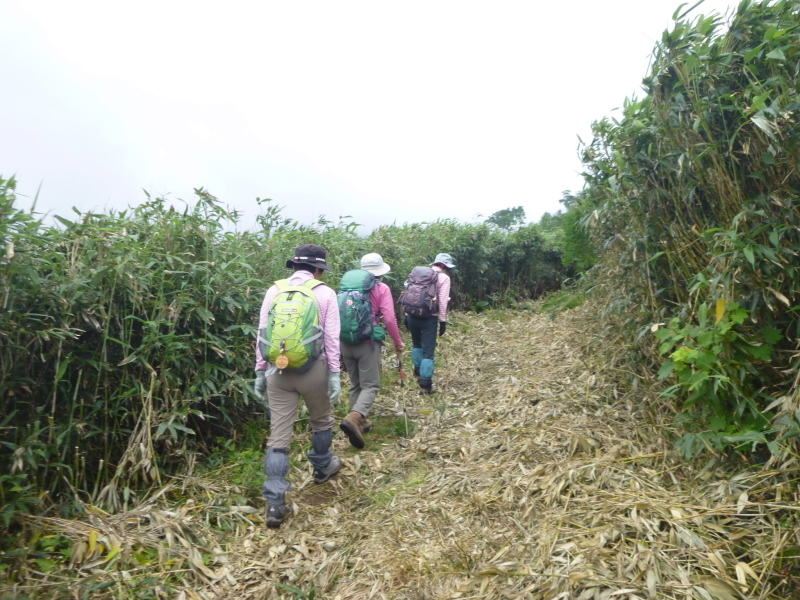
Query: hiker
[
  {"x": 425, "y": 304},
  {"x": 298, "y": 354},
  {"x": 362, "y": 357}
]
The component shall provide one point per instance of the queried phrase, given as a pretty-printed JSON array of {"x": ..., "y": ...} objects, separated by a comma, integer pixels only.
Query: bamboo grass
[
  {"x": 698, "y": 191},
  {"x": 126, "y": 339}
]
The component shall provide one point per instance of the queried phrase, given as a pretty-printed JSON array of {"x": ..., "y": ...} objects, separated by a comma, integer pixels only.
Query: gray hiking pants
[
  {"x": 284, "y": 391},
  {"x": 363, "y": 362}
]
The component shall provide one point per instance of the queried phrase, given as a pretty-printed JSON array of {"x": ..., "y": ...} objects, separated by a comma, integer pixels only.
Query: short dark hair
[{"x": 305, "y": 267}]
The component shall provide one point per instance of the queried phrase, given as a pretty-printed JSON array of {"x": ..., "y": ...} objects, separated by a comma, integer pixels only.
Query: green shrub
[
  {"x": 697, "y": 192},
  {"x": 716, "y": 366}
]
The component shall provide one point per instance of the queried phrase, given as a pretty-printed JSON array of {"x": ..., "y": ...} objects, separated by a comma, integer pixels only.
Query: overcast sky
[{"x": 403, "y": 111}]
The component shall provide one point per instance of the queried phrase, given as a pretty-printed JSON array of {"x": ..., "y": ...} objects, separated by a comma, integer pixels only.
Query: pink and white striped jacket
[
  {"x": 442, "y": 292},
  {"x": 381, "y": 297}
]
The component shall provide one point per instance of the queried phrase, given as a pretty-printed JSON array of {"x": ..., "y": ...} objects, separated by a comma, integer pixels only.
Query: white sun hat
[
  {"x": 444, "y": 259},
  {"x": 374, "y": 264}
]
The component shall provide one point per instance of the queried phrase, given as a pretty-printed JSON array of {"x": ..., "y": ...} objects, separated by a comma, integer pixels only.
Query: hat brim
[
  {"x": 324, "y": 266},
  {"x": 378, "y": 271}
]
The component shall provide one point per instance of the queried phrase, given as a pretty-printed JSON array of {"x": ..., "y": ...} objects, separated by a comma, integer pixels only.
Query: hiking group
[{"x": 306, "y": 329}]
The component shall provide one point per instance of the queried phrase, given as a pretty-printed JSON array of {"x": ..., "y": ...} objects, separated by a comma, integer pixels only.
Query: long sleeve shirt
[
  {"x": 382, "y": 304},
  {"x": 442, "y": 293},
  {"x": 328, "y": 319}
]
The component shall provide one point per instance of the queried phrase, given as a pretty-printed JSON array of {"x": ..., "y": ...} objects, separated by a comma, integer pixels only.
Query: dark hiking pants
[{"x": 423, "y": 340}]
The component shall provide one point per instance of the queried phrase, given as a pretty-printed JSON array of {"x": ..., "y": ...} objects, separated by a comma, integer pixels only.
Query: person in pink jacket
[
  {"x": 318, "y": 382},
  {"x": 423, "y": 328},
  {"x": 363, "y": 360}
]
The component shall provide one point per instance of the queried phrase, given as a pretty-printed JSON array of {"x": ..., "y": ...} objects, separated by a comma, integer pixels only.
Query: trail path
[
  {"x": 456, "y": 508},
  {"x": 531, "y": 475}
]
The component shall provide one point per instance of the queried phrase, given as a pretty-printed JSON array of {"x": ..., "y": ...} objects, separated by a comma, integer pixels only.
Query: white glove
[
  {"x": 261, "y": 384},
  {"x": 334, "y": 387}
]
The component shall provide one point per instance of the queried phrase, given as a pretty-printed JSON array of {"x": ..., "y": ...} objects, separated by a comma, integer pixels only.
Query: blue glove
[
  {"x": 261, "y": 384},
  {"x": 334, "y": 387}
]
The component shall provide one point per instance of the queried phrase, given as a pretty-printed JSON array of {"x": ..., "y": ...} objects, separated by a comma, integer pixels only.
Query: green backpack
[
  {"x": 355, "y": 308},
  {"x": 293, "y": 328}
]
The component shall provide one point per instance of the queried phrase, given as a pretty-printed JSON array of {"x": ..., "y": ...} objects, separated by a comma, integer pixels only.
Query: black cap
[{"x": 309, "y": 254}]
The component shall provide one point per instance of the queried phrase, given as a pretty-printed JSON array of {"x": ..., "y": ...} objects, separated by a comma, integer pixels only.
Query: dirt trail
[
  {"x": 418, "y": 518},
  {"x": 531, "y": 475}
]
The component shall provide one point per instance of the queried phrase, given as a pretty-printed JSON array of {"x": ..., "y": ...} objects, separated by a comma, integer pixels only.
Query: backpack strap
[
  {"x": 313, "y": 284},
  {"x": 378, "y": 314},
  {"x": 310, "y": 284}
]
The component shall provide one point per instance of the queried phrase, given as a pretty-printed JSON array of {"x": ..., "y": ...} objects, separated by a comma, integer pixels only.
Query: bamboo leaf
[
  {"x": 741, "y": 503},
  {"x": 92, "y": 541},
  {"x": 764, "y": 125},
  {"x": 747, "y": 570},
  {"x": 722, "y": 304},
  {"x": 760, "y": 101},
  {"x": 718, "y": 589},
  {"x": 114, "y": 551},
  {"x": 773, "y": 237},
  {"x": 63, "y": 221},
  {"x": 777, "y": 54},
  {"x": 752, "y": 53},
  {"x": 780, "y": 296},
  {"x": 62, "y": 368},
  {"x": 687, "y": 11}
]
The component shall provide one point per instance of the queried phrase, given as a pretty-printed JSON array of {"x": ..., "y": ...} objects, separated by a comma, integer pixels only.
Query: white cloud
[{"x": 403, "y": 112}]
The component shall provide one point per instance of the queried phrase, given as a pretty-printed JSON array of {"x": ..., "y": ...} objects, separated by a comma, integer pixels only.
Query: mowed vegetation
[{"x": 127, "y": 339}]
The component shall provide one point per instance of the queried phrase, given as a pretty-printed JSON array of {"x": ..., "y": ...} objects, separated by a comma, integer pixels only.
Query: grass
[
  {"x": 389, "y": 428},
  {"x": 562, "y": 300}
]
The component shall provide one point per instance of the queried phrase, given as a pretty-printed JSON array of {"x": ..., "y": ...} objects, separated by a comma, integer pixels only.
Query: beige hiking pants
[
  {"x": 284, "y": 391},
  {"x": 363, "y": 362}
]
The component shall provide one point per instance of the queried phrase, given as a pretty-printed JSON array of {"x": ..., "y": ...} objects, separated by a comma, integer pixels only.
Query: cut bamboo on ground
[{"x": 533, "y": 474}]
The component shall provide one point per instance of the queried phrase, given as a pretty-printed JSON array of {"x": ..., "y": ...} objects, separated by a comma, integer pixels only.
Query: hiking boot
[
  {"x": 353, "y": 427},
  {"x": 276, "y": 515},
  {"x": 323, "y": 475},
  {"x": 367, "y": 425},
  {"x": 426, "y": 391}
]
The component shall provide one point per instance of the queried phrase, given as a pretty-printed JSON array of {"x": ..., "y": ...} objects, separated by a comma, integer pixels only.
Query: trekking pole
[
  {"x": 400, "y": 369},
  {"x": 403, "y": 385}
]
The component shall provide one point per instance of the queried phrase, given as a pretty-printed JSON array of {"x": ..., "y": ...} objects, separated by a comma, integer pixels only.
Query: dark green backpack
[{"x": 355, "y": 306}]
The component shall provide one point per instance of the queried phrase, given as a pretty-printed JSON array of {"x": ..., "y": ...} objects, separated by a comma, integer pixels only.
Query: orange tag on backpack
[{"x": 282, "y": 361}]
